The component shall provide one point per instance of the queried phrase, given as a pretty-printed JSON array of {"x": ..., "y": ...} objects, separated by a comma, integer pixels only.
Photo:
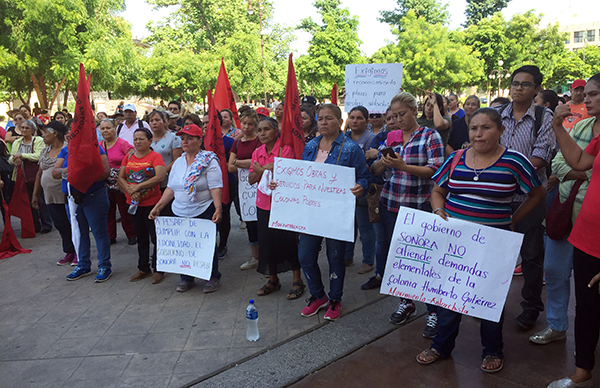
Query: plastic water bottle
[
  {"x": 133, "y": 207},
  {"x": 252, "y": 321}
]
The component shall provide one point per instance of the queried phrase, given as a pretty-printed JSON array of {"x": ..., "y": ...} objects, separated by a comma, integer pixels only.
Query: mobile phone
[{"x": 388, "y": 151}]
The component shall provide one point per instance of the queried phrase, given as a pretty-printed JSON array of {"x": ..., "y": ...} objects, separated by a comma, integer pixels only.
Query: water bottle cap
[{"x": 251, "y": 301}]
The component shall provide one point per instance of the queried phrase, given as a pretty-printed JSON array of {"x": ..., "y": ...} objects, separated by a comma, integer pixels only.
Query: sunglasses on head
[{"x": 375, "y": 115}]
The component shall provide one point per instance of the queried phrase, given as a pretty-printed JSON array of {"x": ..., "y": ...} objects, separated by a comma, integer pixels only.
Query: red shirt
[
  {"x": 138, "y": 170},
  {"x": 584, "y": 235}
]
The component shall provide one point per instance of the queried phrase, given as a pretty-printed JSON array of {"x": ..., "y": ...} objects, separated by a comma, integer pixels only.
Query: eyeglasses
[
  {"x": 524, "y": 85},
  {"x": 375, "y": 115}
]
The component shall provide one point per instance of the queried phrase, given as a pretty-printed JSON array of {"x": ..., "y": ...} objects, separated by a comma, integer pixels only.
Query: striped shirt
[{"x": 487, "y": 200}]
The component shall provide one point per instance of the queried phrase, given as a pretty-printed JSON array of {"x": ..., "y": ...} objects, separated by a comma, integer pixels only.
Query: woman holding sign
[
  {"x": 278, "y": 249},
  {"x": 332, "y": 147},
  {"x": 195, "y": 184},
  {"x": 240, "y": 157},
  {"x": 481, "y": 182}
]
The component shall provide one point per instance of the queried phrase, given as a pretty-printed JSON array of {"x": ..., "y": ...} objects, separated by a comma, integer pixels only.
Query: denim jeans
[
  {"x": 384, "y": 239},
  {"x": 207, "y": 215},
  {"x": 145, "y": 230},
  {"x": 367, "y": 235},
  {"x": 92, "y": 213},
  {"x": 448, "y": 325},
  {"x": 308, "y": 255},
  {"x": 558, "y": 266},
  {"x": 59, "y": 216}
]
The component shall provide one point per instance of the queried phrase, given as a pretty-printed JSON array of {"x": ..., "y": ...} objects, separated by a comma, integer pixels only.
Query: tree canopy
[
  {"x": 432, "y": 10},
  {"x": 480, "y": 9}
]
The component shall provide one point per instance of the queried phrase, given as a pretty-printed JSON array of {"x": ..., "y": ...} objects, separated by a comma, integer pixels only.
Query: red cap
[
  {"x": 192, "y": 130},
  {"x": 263, "y": 111},
  {"x": 577, "y": 83}
]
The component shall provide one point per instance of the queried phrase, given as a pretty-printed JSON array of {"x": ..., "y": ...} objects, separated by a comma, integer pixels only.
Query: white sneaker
[{"x": 252, "y": 263}]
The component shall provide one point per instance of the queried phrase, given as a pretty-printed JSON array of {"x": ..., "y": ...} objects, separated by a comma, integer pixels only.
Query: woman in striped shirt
[{"x": 481, "y": 184}]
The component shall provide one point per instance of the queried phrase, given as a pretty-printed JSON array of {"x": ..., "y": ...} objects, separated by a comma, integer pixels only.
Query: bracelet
[
  {"x": 436, "y": 210},
  {"x": 219, "y": 207}
]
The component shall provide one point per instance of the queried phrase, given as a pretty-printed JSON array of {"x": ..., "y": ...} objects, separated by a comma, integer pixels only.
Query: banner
[
  {"x": 185, "y": 246},
  {"x": 247, "y": 195},
  {"x": 213, "y": 141},
  {"x": 455, "y": 264},
  {"x": 372, "y": 85},
  {"x": 313, "y": 198},
  {"x": 291, "y": 127}
]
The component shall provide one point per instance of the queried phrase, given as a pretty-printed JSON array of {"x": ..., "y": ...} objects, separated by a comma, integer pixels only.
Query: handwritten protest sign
[
  {"x": 247, "y": 195},
  {"x": 185, "y": 246},
  {"x": 313, "y": 198},
  {"x": 372, "y": 85},
  {"x": 458, "y": 265}
]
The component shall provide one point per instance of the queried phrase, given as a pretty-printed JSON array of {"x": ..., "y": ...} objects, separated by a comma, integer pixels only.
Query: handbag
[
  {"x": 373, "y": 202},
  {"x": 30, "y": 169},
  {"x": 112, "y": 182},
  {"x": 558, "y": 217}
]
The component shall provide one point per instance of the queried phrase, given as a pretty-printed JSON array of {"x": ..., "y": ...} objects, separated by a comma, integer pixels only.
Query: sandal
[
  {"x": 268, "y": 288},
  {"x": 296, "y": 293},
  {"x": 488, "y": 360},
  {"x": 428, "y": 356}
]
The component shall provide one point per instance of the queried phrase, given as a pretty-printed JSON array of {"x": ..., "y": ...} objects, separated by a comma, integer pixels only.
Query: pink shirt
[
  {"x": 260, "y": 155},
  {"x": 117, "y": 152}
]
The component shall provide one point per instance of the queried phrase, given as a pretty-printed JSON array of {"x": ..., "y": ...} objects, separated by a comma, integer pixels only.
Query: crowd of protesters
[{"x": 504, "y": 166}]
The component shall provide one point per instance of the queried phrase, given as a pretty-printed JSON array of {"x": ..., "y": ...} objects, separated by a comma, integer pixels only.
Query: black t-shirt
[{"x": 459, "y": 134}]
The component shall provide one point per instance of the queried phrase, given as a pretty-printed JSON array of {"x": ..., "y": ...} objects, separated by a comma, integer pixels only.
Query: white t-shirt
[
  {"x": 211, "y": 178},
  {"x": 165, "y": 148},
  {"x": 127, "y": 132}
]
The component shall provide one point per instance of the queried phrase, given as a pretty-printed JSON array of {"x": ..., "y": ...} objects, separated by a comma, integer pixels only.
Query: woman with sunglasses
[{"x": 376, "y": 123}]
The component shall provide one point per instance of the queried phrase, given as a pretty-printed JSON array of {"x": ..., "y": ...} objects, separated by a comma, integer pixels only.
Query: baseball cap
[
  {"x": 567, "y": 93},
  {"x": 309, "y": 100},
  {"x": 57, "y": 126},
  {"x": 577, "y": 83},
  {"x": 262, "y": 111},
  {"x": 130, "y": 107},
  {"x": 192, "y": 130}
]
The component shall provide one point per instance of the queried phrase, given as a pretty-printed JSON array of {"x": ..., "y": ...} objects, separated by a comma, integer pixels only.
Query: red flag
[
  {"x": 334, "y": 94},
  {"x": 213, "y": 141},
  {"x": 10, "y": 245},
  {"x": 20, "y": 206},
  {"x": 291, "y": 127},
  {"x": 224, "y": 95},
  {"x": 85, "y": 165}
]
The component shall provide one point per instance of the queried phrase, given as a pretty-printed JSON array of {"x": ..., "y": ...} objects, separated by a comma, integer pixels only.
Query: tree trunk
[
  {"x": 66, "y": 97},
  {"x": 55, "y": 95},
  {"x": 26, "y": 102},
  {"x": 40, "y": 90}
]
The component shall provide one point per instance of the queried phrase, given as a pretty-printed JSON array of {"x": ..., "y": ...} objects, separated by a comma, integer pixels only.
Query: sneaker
[
  {"x": 184, "y": 286},
  {"x": 405, "y": 310},
  {"x": 132, "y": 241},
  {"x": 313, "y": 306},
  {"x": 547, "y": 335},
  {"x": 334, "y": 310},
  {"x": 518, "y": 270},
  {"x": 222, "y": 252},
  {"x": 252, "y": 263},
  {"x": 364, "y": 268},
  {"x": 212, "y": 285},
  {"x": 243, "y": 225},
  {"x": 372, "y": 283},
  {"x": 158, "y": 277},
  {"x": 75, "y": 262},
  {"x": 103, "y": 275},
  {"x": 431, "y": 327},
  {"x": 139, "y": 275},
  {"x": 66, "y": 260},
  {"x": 79, "y": 273}
]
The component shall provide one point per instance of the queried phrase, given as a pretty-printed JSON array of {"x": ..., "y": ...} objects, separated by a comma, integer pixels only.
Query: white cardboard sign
[
  {"x": 372, "y": 85},
  {"x": 247, "y": 195},
  {"x": 458, "y": 265},
  {"x": 185, "y": 246},
  {"x": 313, "y": 198}
]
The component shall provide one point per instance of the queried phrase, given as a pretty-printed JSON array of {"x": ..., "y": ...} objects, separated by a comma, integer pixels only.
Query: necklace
[{"x": 478, "y": 173}]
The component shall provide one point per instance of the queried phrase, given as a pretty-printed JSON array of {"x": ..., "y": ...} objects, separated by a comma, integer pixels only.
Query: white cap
[{"x": 130, "y": 107}]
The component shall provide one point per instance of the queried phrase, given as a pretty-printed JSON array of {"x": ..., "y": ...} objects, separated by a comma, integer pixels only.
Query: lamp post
[{"x": 262, "y": 44}]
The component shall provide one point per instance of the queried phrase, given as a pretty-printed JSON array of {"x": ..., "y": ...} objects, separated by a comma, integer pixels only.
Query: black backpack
[{"x": 140, "y": 125}]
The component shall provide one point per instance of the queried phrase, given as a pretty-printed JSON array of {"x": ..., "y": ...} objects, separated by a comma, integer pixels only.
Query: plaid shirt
[{"x": 424, "y": 148}]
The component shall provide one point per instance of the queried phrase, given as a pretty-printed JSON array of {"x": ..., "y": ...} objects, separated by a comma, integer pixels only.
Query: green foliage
[
  {"x": 431, "y": 59},
  {"x": 334, "y": 45},
  {"x": 481, "y": 9},
  {"x": 433, "y": 11},
  {"x": 590, "y": 55}
]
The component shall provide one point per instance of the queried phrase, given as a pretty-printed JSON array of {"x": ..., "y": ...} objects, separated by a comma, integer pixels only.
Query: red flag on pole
[
  {"x": 10, "y": 245},
  {"x": 85, "y": 165},
  {"x": 291, "y": 127},
  {"x": 20, "y": 206},
  {"x": 213, "y": 141},
  {"x": 224, "y": 95},
  {"x": 334, "y": 94}
]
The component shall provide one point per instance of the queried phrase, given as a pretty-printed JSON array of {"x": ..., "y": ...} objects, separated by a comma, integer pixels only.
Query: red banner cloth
[
  {"x": 85, "y": 165},
  {"x": 20, "y": 206},
  {"x": 10, "y": 245},
  {"x": 213, "y": 141},
  {"x": 334, "y": 94},
  {"x": 224, "y": 95},
  {"x": 291, "y": 127}
]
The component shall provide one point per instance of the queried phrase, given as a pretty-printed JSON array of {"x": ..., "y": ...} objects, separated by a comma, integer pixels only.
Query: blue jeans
[
  {"x": 448, "y": 325},
  {"x": 93, "y": 213},
  {"x": 367, "y": 235},
  {"x": 308, "y": 255},
  {"x": 207, "y": 215},
  {"x": 384, "y": 239},
  {"x": 59, "y": 216},
  {"x": 558, "y": 266}
]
